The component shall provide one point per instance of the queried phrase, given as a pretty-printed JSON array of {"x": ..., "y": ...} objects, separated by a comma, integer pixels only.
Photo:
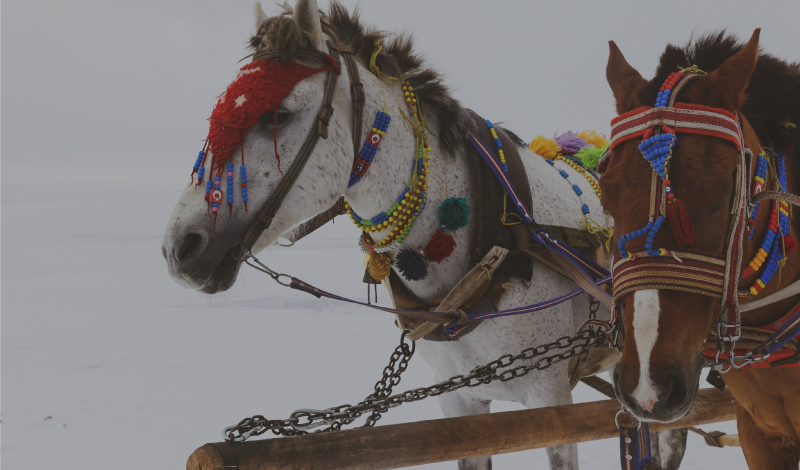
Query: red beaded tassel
[{"x": 682, "y": 227}]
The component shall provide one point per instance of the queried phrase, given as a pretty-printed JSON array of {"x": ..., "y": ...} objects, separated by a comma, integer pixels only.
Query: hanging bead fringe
[
  {"x": 440, "y": 246},
  {"x": 412, "y": 264},
  {"x": 682, "y": 227}
]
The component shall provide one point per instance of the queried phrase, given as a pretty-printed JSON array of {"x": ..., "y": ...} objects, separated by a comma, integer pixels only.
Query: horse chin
[{"x": 223, "y": 276}]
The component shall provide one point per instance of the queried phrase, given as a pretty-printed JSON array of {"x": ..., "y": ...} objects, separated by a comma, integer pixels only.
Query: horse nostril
[
  {"x": 190, "y": 246},
  {"x": 675, "y": 392}
]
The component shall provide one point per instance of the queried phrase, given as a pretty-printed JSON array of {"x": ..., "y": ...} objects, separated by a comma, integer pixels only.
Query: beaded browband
[{"x": 679, "y": 268}]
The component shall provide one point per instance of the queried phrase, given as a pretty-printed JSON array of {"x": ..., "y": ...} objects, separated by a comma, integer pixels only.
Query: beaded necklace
[
  {"x": 777, "y": 241},
  {"x": 399, "y": 219}
]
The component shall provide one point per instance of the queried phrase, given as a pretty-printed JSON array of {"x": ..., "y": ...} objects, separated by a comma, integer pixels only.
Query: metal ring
[
  {"x": 277, "y": 278},
  {"x": 244, "y": 258}
]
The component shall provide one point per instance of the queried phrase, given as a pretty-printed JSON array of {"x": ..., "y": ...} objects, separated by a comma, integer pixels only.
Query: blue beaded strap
[
  {"x": 760, "y": 178},
  {"x": 243, "y": 178},
  {"x": 370, "y": 148},
  {"x": 776, "y": 254},
  {"x": 575, "y": 187},
  {"x": 198, "y": 166},
  {"x": 230, "y": 183}
]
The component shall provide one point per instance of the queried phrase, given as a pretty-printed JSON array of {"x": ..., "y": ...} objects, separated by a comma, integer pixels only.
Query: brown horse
[{"x": 658, "y": 375}]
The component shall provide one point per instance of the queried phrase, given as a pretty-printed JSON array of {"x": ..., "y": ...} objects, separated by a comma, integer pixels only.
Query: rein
[{"x": 270, "y": 208}]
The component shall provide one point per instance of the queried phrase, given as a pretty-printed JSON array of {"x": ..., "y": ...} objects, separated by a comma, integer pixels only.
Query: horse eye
[{"x": 269, "y": 117}]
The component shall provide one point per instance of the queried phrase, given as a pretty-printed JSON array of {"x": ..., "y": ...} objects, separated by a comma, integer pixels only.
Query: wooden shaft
[{"x": 408, "y": 444}]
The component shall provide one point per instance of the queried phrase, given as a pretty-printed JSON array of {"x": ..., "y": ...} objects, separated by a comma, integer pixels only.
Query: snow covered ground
[{"x": 109, "y": 364}]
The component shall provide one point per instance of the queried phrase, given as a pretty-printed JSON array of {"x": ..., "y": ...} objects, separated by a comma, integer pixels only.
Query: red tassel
[
  {"x": 682, "y": 227},
  {"x": 440, "y": 247},
  {"x": 789, "y": 243}
]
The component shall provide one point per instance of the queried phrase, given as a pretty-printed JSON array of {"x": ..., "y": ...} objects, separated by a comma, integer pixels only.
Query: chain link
[{"x": 381, "y": 400}]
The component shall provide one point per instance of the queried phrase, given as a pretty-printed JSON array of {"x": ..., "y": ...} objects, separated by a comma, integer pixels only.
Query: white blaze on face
[{"x": 645, "y": 330}]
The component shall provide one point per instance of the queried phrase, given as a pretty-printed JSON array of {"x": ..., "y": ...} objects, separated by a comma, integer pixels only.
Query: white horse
[{"x": 199, "y": 259}]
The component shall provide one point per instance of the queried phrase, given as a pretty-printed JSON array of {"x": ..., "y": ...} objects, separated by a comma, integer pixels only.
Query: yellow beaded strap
[{"x": 583, "y": 172}]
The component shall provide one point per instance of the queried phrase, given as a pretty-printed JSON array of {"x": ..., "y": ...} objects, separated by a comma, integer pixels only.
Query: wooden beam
[{"x": 408, "y": 444}]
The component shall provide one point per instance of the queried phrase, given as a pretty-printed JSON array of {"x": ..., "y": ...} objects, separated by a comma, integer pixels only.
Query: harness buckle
[
  {"x": 323, "y": 119},
  {"x": 732, "y": 338}
]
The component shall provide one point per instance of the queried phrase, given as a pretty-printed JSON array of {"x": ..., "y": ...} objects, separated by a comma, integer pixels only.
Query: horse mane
[
  {"x": 773, "y": 93},
  {"x": 397, "y": 59}
]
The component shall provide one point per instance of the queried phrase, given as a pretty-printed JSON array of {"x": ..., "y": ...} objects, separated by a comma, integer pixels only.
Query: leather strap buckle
[{"x": 324, "y": 118}]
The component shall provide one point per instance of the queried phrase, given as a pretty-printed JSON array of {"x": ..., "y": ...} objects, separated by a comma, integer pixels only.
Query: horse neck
[
  {"x": 390, "y": 172},
  {"x": 791, "y": 268}
]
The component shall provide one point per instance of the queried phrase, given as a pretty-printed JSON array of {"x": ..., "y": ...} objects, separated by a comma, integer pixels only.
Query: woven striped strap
[
  {"x": 687, "y": 118},
  {"x": 694, "y": 271}
]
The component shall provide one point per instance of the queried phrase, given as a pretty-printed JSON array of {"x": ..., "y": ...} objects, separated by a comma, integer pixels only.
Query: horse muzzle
[{"x": 197, "y": 260}]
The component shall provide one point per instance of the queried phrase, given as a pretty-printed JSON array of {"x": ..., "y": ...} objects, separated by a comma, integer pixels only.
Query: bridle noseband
[{"x": 270, "y": 208}]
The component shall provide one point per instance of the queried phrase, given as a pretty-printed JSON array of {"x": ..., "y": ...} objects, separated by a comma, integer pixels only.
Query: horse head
[
  {"x": 664, "y": 330},
  {"x": 258, "y": 128}
]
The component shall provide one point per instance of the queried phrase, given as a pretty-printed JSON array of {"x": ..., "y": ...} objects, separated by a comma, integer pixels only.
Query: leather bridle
[
  {"x": 711, "y": 274},
  {"x": 270, "y": 208}
]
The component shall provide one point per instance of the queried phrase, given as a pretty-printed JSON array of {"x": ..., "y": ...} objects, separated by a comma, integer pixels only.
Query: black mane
[
  {"x": 397, "y": 59},
  {"x": 773, "y": 94}
]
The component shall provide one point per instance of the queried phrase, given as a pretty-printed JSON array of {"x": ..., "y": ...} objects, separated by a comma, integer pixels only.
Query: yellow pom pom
[
  {"x": 593, "y": 138},
  {"x": 544, "y": 147},
  {"x": 379, "y": 265}
]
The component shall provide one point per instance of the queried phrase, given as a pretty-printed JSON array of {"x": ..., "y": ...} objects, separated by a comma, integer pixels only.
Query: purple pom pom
[{"x": 570, "y": 143}]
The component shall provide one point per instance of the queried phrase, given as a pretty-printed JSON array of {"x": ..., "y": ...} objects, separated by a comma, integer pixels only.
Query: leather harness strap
[{"x": 268, "y": 211}]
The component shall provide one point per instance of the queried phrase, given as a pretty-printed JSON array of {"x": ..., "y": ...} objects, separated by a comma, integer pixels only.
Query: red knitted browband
[
  {"x": 259, "y": 87},
  {"x": 685, "y": 118}
]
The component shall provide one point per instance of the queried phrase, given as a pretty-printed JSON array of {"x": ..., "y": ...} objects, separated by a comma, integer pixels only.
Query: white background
[{"x": 106, "y": 363}]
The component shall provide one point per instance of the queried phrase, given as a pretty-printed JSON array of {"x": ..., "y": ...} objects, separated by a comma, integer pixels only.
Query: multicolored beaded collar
[
  {"x": 777, "y": 241},
  {"x": 399, "y": 219}
]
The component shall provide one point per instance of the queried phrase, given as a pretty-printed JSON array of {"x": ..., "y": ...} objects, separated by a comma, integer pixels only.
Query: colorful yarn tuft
[
  {"x": 454, "y": 213},
  {"x": 789, "y": 244},
  {"x": 544, "y": 147},
  {"x": 682, "y": 227},
  {"x": 412, "y": 264},
  {"x": 440, "y": 246},
  {"x": 259, "y": 87},
  {"x": 570, "y": 142},
  {"x": 594, "y": 139},
  {"x": 379, "y": 265},
  {"x": 589, "y": 156}
]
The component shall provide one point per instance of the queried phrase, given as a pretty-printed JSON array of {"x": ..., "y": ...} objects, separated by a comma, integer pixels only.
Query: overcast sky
[{"x": 100, "y": 90}]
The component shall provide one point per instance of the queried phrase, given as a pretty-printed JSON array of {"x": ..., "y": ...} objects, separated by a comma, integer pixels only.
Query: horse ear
[
  {"x": 309, "y": 25},
  {"x": 261, "y": 17},
  {"x": 622, "y": 78},
  {"x": 734, "y": 74}
]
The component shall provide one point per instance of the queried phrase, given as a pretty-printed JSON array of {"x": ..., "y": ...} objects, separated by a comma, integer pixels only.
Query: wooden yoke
[{"x": 408, "y": 444}]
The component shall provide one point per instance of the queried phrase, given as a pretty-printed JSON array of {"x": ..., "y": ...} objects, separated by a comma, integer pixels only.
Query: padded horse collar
[{"x": 270, "y": 208}]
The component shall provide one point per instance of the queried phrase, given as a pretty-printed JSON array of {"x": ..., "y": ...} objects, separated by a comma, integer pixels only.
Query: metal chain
[{"x": 380, "y": 401}]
